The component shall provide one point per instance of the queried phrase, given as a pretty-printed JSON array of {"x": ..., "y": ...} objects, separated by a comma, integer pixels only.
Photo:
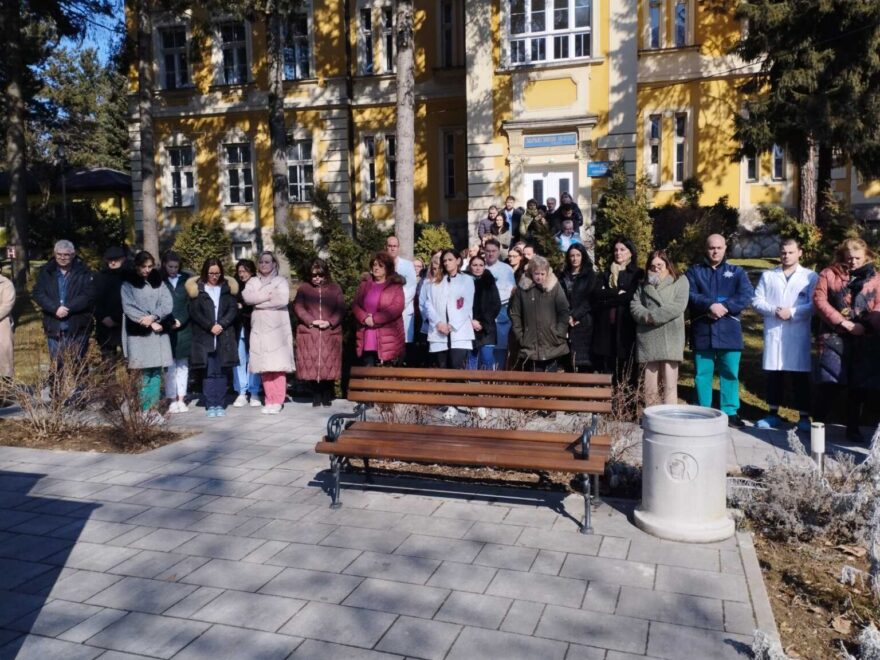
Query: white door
[{"x": 551, "y": 183}]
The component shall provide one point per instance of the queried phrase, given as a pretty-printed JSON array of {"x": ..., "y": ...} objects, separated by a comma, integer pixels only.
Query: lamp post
[{"x": 61, "y": 160}]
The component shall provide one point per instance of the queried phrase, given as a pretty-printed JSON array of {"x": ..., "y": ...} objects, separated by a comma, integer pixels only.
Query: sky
[{"x": 100, "y": 35}]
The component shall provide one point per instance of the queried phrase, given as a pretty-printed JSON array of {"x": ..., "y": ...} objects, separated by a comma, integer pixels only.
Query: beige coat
[
  {"x": 271, "y": 344},
  {"x": 7, "y": 302}
]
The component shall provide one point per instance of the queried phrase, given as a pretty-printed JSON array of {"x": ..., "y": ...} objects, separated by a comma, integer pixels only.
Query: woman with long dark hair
[
  {"x": 579, "y": 281},
  {"x": 487, "y": 305},
  {"x": 213, "y": 310},
  {"x": 450, "y": 307},
  {"x": 378, "y": 308}
]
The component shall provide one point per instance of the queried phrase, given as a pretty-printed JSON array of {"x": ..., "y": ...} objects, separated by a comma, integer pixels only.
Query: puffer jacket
[
  {"x": 319, "y": 352},
  {"x": 487, "y": 305},
  {"x": 203, "y": 318},
  {"x": 271, "y": 341},
  {"x": 388, "y": 318},
  {"x": 727, "y": 284},
  {"x": 658, "y": 311},
  {"x": 539, "y": 319}
]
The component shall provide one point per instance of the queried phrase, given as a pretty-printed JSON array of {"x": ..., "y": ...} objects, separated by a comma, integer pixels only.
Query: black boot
[
  {"x": 316, "y": 393},
  {"x": 327, "y": 394}
]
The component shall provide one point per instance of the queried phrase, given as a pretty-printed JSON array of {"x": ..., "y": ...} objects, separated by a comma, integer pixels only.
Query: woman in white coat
[
  {"x": 271, "y": 353},
  {"x": 449, "y": 308},
  {"x": 784, "y": 297}
]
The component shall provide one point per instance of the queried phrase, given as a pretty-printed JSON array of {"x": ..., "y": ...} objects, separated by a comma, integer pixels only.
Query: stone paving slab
[{"x": 223, "y": 546}]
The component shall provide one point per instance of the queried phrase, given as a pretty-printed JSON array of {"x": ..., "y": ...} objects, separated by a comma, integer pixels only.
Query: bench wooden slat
[
  {"x": 523, "y": 377},
  {"x": 481, "y": 401},
  {"x": 424, "y": 431},
  {"x": 500, "y": 458},
  {"x": 550, "y": 392}
]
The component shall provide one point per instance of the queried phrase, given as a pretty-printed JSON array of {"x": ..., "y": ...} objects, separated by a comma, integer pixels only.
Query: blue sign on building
[
  {"x": 598, "y": 168},
  {"x": 550, "y": 140}
]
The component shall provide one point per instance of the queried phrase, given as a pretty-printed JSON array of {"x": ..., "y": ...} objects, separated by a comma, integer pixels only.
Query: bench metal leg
[
  {"x": 587, "y": 527},
  {"x": 368, "y": 474},
  {"x": 336, "y": 501}
]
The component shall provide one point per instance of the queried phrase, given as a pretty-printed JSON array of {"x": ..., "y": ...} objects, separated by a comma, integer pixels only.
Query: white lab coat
[
  {"x": 407, "y": 271},
  {"x": 786, "y": 343},
  {"x": 450, "y": 301}
]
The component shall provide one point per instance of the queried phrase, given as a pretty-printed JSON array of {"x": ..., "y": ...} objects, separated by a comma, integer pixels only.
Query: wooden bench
[{"x": 585, "y": 453}]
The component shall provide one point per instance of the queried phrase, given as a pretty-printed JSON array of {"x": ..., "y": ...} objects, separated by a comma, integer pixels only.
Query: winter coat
[
  {"x": 579, "y": 290},
  {"x": 271, "y": 344},
  {"x": 504, "y": 237},
  {"x": 484, "y": 227},
  {"x": 319, "y": 351},
  {"x": 388, "y": 318},
  {"x": 514, "y": 218},
  {"x": 658, "y": 311},
  {"x": 614, "y": 330},
  {"x": 203, "y": 316},
  {"x": 786, "y": 343},
  {"x": 406, "y": 270},
  {"x": 144, "y": 347},
  {"x": 726, "y": 284},
  {"x": 487, "y": 305},
  {"x": 108, "y": 303},
  {"x": 844, "y": 358},
  {"x": 7, "y": 302},
  {"x": 539, "y": 319},
  {"x": 80, "y": 299},
  {"x": 451, "y": 300},
  {"x": 181, "y": 338},
  {"x": 243, "y": 320}
]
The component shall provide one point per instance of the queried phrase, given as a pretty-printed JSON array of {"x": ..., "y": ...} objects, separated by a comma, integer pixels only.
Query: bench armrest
[
  {"x": 588, "y": 433},
  {"x": 336, "y": 423}
]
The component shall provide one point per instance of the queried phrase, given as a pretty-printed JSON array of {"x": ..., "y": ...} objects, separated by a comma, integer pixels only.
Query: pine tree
[{"x": 623, "y": 211}]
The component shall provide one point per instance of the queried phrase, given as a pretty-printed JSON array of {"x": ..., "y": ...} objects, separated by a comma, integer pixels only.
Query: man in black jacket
[{"x": 66, "y": 295}]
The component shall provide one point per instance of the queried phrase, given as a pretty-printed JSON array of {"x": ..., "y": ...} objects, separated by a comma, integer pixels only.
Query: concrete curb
[{"x": 757, "y": 588}]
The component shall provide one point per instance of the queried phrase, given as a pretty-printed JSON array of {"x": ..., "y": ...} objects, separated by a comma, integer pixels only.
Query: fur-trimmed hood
[
  {"x": 154, "y": 279},
  {"x": 526, "y": 283},
  {"x": 391, "y": 279},
  {"x": 193, "y": 288}
]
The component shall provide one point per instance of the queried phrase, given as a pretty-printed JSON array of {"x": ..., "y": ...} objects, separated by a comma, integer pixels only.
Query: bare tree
[
  {"x": 276, "y": 17},
  {"x": 404, "y": 206}
]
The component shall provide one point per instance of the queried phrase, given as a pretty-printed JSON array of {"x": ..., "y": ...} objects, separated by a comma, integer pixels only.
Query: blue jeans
[
  {"x": 242, "y": 381},
  {"x": 482, "y": 358},
  {"x": 62, "y": 342}
]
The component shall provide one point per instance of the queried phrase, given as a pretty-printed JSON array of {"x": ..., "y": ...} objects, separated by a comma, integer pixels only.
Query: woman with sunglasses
[
  {"x": 212, "y": 311},
  {"x": 320, "y": 308}
]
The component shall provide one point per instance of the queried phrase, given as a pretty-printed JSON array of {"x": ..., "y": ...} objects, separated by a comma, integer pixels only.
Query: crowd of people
[{"x": 479, "y": 310}]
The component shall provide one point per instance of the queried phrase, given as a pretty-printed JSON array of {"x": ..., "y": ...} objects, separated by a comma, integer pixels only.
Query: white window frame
[
  {"x": 242, "y": 174},
  {"x": 387, "y": 21},
  {"x": 553, "y": 45},
  {"x": 447, "y": 138},
  {"x": 680, "y": 149},
  {"x": 301, "y": 162},
  {"x": 679, "y": 30},
  {"x": 366, "y": 47},
  {"x": 180, "y": 53},
  {"x": 777, "y": 163},
  {"x": 450, "y": 45},
  {"x": 295, "y": 44},
  {"x": 650, "y": 28},
  {"x": 186, "y": 177},
  {"x": 390, "y": 145},
  {"x": 219, "y": 50},
  {"x": 654, "y": 146},
  {"x": 368, "y": 167},
  {"x": 751, "y": 164}
]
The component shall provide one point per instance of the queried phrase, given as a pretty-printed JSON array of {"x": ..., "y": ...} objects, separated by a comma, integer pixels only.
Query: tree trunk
[
  {"x": 277, "y": 130},
  {"x": 149, "y": 215},
  {"x": 404, "y": 207},
  {"x": 16, "y": 147},
  {"x": 808, "y": 185},
  {"x": 823, "y": 183}
]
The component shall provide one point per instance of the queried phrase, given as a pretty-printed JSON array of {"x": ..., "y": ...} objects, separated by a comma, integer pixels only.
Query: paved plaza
[{"x": 222, "y": 546}]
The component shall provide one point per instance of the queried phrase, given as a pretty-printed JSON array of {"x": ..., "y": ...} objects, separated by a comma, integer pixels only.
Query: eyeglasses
[{"x": 215, "y": 273}]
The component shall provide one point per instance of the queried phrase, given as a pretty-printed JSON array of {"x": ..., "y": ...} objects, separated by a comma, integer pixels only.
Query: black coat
[
  {"x": 181, "y": 338},
  {"x": 243, "y": 321},
  {"x": 80, "y": 298},
  {"x": 108, "y": 302},
  {"x": 202, "y": 319},
  {"x": 579, "y": 290},
  {"x": 614, "y": 330},
  {"x": 487, "y": 305}
]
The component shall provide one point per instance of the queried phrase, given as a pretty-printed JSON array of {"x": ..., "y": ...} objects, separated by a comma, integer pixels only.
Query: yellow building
[{"x": 513, "y": 97}]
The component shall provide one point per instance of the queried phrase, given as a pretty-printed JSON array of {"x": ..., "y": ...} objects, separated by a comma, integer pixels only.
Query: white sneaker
[
  {"x": 240, "y": 401},
  {"x": 255, "y": 401},
  {"x": 482, "y": 413},
  {"x": 271, "y": 409}
]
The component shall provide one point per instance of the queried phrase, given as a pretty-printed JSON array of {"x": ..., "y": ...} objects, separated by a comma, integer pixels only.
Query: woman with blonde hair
[
  {"x": 271, "y": 344},
  {"x": 847, "y": 302},
  {"x": 658, "y": 309}
]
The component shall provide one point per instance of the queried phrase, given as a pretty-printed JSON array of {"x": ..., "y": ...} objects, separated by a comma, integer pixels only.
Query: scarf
[
  {"x": 857, "y": 280},
  {"x": 616, "y": 269}
]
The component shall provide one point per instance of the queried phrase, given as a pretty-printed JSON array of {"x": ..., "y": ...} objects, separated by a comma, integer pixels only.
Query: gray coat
[
  {"x": 659, "y": 315},
  {"x": 144, "y": 348}
]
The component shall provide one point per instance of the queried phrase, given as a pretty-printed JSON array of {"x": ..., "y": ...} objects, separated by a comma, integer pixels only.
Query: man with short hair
[
  {"x": 506, "y": 283},
  {"x": 567, "y": 236},
  {"x": 65, "y": 293},
  {"x": 552, "y": 215},
  {"x": 719, "y": 292},
  {"x": 405, "y": 268},
  {"x": 784, "y": 297},
  {"x": 512, "y": 215}
]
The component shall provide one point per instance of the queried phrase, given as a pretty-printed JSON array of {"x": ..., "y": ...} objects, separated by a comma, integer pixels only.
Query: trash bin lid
[{"x": 680, "y": 420}]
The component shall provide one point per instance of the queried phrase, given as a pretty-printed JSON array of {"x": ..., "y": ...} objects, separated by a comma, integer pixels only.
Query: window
[
  {"x": 449, "y": 164},
  {"x": 300, "y": 171},
  {"x": 388, "y": 38},
  {"x": 752, "y": 168},
  {"x": 233, "y": 44},
  {"x": 451, "y": 33},
  {"x": 181, "y": 176},
  {"x": 543, "y": 30},
  {"x": 295, "y": 48},
  {"x": 680, "y": 147},
  {"x": 174, "y": 61},
  {"x": 654, "y": 132},
  {"x": 681, "y": 23},
  {"x": 369, "y": 155},
  {"x": 239, "y": 174},
  {"x": 365, "y": 40},
  {"x": 242, "y": 250},
  {"x": 778, "y": 162},
  {"x": 391, "y": 165},
  {"x": 655, "y": 23}
]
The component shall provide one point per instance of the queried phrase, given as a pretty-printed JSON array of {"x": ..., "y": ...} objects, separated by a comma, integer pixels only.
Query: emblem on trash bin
[{"x": 682, "y": 467}]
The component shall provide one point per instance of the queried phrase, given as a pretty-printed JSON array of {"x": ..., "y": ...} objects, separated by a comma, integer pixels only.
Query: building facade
[{"x": 520, "y": 97}]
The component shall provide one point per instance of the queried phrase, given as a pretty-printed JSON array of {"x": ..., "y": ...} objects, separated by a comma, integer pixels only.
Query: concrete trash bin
[{"x": 684, "y": 474}]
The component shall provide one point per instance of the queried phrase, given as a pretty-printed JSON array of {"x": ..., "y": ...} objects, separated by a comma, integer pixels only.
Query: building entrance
[{"x": 550, "y": 183}]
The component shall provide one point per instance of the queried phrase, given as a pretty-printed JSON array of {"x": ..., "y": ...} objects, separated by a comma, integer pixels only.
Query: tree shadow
[{"x": 34, "y": 549}]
